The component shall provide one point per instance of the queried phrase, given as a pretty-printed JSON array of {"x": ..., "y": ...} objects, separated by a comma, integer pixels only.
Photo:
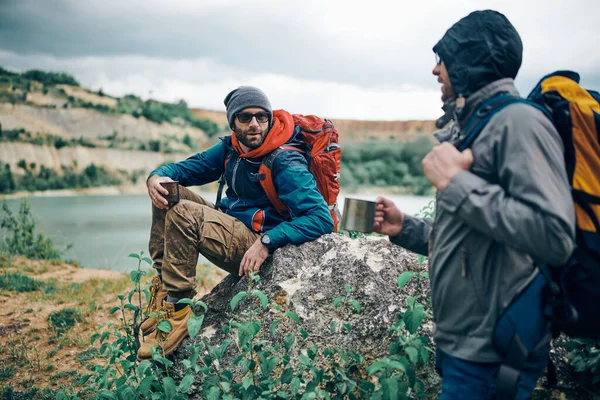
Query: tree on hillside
[
  {"x": 50, "y": 78},
  {"x": 7, "y": 182}
]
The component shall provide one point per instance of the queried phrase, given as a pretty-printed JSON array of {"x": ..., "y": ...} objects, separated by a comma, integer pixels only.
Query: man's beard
[{"x": 242, "y": 137}]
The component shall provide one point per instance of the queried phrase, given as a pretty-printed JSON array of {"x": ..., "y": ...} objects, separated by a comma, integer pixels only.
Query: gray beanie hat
[{"x": 244, "y": 97}]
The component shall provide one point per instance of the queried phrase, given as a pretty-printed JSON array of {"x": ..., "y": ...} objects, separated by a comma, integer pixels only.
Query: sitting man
[{"x": 246, "y": 227}]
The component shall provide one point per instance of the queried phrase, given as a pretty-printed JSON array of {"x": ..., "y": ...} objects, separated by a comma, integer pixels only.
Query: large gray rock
[{"x": 305, "y": 280}]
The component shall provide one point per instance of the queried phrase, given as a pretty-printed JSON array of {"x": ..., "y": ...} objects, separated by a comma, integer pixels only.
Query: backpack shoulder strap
[
  {"x": 485, "y": 112},
  {"x": 222, "y": 178},
  {"x": 265, "y": 177}
]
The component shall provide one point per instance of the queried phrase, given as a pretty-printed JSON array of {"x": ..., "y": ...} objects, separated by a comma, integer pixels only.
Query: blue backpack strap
[
  {"x": 221, "y": 180},
  {"x": 485, "y": 112},
  {"x": 517, "y": 334}
]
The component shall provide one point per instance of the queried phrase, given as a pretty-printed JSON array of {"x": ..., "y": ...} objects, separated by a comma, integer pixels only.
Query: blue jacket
[{"x": 245, "y": 198}]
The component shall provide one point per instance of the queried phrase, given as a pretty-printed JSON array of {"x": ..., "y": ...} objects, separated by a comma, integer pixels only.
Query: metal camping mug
[
  {"x": 359, "y": 215},
  {"x": 173, "y": 188}
]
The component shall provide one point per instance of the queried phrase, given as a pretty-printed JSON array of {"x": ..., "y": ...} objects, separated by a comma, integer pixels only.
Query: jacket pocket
[
  {"x": 216, "y": 235},
  {"x": 467, "y": 273}
]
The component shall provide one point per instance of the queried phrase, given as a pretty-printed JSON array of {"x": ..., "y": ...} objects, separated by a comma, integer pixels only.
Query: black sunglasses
[{"x": 246, "y": 117}]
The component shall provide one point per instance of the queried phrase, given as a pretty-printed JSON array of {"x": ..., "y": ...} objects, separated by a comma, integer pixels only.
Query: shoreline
[{"x": 141, "y": 189}]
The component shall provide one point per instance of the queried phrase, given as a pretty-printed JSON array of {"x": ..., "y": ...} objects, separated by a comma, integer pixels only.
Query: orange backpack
[{"x": 325, "y": 156}]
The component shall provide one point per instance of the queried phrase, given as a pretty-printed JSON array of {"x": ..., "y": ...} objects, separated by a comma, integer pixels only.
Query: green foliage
[
  {"x": 380, "y": 163},
  {"x": 7, "y": 73},
  {"x": 584, "y": 356},
  {"x": 7, "y": 371},
  {"x": 428, "y": 211},
  {"x": 187, "y": 140},
  {"x": 9, "y": 393},
  {"x": 21, "y": 238},
  {"x": 159, "y": 112},
  {"x": 87, "y": 355},
  {"x": 266, "y": 365},
  {"x": 76, "y": 102},
  {"x": 48, "y": 179},
  {"x": 50, "y": 78},
  {"x": 18, "y": 282},
  {"x": 23, "y": 136},
  {"x": 10, "y": 97},
  {"x": 154, "y": 145},
  {"x": 63, "y": 320},
  {"x": 7, "y": 180},
  {"x": 23, "y": 83},
  {"x": 114, "y": 141}
]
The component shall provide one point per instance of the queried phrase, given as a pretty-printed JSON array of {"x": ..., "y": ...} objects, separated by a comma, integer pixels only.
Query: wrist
[
  {"x": 400, "y": 224},
  {"x": 265, "y": 240}
]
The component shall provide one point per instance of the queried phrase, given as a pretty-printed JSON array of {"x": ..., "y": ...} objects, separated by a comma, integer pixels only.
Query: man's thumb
[{"x": 467, "y": 158}]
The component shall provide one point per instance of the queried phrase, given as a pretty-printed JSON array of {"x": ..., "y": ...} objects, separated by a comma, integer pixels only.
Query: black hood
[{"x": 480, "y": 49}]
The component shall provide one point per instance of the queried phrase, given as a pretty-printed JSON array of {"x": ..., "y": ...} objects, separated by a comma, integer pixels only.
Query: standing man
[
  {"x": 240, "y": 234},
  {"x": 503, "y": 207}
]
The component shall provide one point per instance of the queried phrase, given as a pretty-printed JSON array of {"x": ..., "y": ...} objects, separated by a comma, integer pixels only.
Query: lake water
[{"x": 104, "y": 230}]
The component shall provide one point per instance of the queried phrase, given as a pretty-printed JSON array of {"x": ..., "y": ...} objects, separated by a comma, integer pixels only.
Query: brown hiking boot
[
  {"x": 157, "y": 294},
  {"x": 168, "y": 341}
]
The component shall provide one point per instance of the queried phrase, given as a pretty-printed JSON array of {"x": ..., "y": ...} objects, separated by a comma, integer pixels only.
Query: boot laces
[{"x": 153, "y": 292}]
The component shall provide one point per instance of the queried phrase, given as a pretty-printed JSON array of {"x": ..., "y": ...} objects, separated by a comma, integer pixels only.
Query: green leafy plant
[
  {"x": 21, "y": 238},
  {"x": 584, "y": 356},
  {"x": 255, "y": 360},
  {"x": 427, "y": 211}
]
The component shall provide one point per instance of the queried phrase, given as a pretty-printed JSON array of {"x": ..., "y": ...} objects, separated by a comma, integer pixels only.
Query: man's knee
[{"x": 186, "y": 212}]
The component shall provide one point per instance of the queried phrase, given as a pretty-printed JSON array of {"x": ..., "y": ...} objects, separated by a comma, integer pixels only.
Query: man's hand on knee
[
  {"x": 253, "y": 258},
  {"x": 157, "y": 192}
]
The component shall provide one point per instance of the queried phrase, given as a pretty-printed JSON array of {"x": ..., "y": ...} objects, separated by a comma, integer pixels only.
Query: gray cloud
[
  {"x": 380, "y": 47},
  {"x": 257, "y": 37}
]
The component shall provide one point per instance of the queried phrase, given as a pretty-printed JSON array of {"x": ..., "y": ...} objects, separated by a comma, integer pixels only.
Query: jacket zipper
[{"x": 235, "y": 167}]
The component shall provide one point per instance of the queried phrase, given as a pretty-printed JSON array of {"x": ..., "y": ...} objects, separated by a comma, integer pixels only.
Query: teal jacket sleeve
[
  {"x": 297, "y": 189},
  {"x": 198, "y": 169}
]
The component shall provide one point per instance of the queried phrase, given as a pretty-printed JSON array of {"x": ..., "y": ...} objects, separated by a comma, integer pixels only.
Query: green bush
[
  {"x": 18, "y": 283},
  {"x": 7, "y": 181},
  {"x": 40, "y": 139},
  {"x": 21, "y": 238},
  {"x": 154, "y": 145},
  {"x": 63, "y": 320},
  {"x": 48, "y": 179},
  {"x": 50, "y": 78},
  {"x": 584, "y": 356},
  {"x": 384, "y": 163},
  {"x": 7, "y": 371},
  {"x": 159, "y": 112},
  {"x": 187, "y": 140}
]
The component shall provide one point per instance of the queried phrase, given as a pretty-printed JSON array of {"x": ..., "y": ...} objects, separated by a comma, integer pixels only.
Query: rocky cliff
[
  {"x": 110, "y": 159},
  {"x": 87, "y": 123},
  {"x": 355, "y": 130}
]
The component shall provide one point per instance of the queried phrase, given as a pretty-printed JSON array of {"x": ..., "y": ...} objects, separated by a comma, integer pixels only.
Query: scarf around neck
[{"x": 279, "y": 134}]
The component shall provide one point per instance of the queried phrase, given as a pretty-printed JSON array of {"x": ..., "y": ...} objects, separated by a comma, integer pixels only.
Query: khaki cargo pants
[{"x": 190, "y": 227}]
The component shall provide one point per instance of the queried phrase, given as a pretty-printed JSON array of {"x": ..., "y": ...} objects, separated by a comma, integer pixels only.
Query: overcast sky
[{"x": 336, "y": 58}]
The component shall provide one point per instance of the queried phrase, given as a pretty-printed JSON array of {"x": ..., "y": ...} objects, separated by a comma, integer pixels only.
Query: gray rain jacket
[{"x": 494, "y": 223}]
